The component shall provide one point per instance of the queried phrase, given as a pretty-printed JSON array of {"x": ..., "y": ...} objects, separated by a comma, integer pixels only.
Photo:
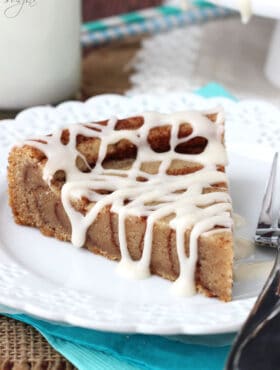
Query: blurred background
[
  {"x": 95, "y": 9},
  {"x": 133, "y": 46},
  {"x": 220, "y": 49}
]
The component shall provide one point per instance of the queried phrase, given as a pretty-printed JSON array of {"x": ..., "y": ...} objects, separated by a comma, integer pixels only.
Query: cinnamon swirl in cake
[{"x": 148, "y": 191}]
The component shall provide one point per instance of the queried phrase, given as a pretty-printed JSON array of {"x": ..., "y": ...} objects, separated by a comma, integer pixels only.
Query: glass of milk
[{"x": 40, "y": 50}]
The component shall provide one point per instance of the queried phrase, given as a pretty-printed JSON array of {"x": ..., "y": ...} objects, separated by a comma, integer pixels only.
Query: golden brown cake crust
[{"x": 35, "y": 203}]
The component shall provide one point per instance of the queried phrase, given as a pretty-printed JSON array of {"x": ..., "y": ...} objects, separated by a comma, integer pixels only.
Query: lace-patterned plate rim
[
  {"x": 43, "y": 119},
  {"x": 20, "y": 286}
]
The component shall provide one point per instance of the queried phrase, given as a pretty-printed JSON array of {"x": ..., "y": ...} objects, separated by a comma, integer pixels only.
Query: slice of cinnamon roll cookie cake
[{"x": 148, "y": 191}]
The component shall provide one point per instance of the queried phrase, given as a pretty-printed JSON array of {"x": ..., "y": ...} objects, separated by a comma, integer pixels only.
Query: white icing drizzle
[
  {"x": 245, "y": 7},
  {"x": 162, "y": 195}
]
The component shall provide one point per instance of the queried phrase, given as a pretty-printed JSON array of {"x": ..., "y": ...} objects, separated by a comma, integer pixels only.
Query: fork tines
[{"x": 268, "y": 228}]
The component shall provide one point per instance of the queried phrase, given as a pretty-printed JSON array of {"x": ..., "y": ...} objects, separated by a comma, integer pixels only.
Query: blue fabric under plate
[{"x": 96, "y": 350}]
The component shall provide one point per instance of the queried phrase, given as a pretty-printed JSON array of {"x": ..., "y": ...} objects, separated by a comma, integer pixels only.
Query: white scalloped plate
[{"x": 55, "y": 281}]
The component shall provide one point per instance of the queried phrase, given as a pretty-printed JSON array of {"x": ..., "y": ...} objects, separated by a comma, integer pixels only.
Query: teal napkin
[
  {"x": 96, "y": 350},
  {"x": 214, "y": 89}
]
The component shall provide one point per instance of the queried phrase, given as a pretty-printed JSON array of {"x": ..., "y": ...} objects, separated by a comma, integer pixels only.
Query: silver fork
[
  {"x": 267, "y": 305},
  {"x": 268, "y": 228}
]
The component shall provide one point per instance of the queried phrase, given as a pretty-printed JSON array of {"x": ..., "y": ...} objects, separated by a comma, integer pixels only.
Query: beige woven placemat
[{"x": 21, "y": 346}]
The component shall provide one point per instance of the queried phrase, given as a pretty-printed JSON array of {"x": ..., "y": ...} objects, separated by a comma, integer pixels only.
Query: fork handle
[{"x": 265, "y": 308}]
